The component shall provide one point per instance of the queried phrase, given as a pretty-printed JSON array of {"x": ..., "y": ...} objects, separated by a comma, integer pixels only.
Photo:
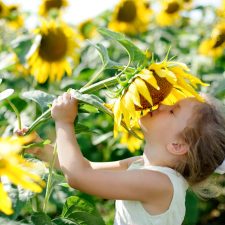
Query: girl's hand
[
  {"x": 44, "y": 154},
  {"x": 36, "y": 150},
  {"x": 64, "y": 108}
]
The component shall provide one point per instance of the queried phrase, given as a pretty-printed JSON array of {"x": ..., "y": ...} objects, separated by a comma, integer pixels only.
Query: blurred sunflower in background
[
  {"x": 221, "y": 10},
  {"x": 170, "y": 12},
  {"x": 14, "y": 17},
  {"x": 3, "y": 10},
  {"x": 131, "y": 17},
  {"x": 188, "y": 4},
  {"x": 87, "y": 29},
  {"x": 57, "y": 43},
  {"x": 16, "y": 169},
  {"x": 215, "y": 45},
  {"x": 49, "y": 5},
  {"x": 129, "y": 140},
  {"x": 165, "y": 82}
]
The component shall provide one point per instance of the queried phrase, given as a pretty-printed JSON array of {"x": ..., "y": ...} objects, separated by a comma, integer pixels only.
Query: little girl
[{"x": 185, "y": 144}]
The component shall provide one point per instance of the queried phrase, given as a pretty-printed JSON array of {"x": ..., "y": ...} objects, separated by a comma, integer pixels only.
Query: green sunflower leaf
[
  {"x": 106, "y": 61},
  {"x": 90, "y": 99},
  {"x": 21, "y": 46},
  {"x": 42, "y": 98},
  {"x": 6, "y": 93},
  {"x": 137, "y": 57},
  {"x": 40, "y": 218},
  {"x": 81, "y": 211}
]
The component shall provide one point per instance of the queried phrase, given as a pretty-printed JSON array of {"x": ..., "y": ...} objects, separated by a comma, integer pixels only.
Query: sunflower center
[
  {"x": 157, "y": 95},
  {"x": 127, "y": 12},
  {"x": 172, "y": 8},
  {"x": 53, "y": 45},
  {"x": 49, "y": 4},
  {"x": 13, "y": 8},
  {"x": 219, "y": 40}
]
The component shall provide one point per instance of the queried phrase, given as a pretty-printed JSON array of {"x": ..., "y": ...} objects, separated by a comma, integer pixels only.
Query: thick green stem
[
  {"x": 49, "y": 182},
  {"x": 92, "y": 88}
]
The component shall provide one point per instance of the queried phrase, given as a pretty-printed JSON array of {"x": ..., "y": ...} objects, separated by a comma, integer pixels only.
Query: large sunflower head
[
  {"x": 57, "y": 43},
  {"x": 166, "y": 82},
  {"x": 131, "y": 17},
  {"x": 48, "y": 5},
  {"x": 215, "y": 45},
  {"x": 170, "y": 12}
]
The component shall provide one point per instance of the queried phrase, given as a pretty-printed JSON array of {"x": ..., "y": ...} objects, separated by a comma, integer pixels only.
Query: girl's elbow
[{"x": 72, "y": 182}]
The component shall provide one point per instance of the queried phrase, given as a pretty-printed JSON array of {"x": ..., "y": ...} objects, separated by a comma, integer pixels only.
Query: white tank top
[{"x": 133, "y": 212}]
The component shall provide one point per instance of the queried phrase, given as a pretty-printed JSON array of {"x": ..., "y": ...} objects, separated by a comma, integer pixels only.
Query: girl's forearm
[{"x": 70, "y": 157}]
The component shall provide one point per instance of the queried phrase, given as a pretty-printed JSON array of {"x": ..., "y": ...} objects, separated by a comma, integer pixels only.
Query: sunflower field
[{"x": 134, "y": 56}]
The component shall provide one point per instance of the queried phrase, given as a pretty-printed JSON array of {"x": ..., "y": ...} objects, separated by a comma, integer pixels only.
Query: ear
[{"x": 177, "y": 148}]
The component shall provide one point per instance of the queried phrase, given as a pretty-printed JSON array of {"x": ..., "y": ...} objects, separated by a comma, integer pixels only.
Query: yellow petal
[
  {"x": 5, "y": 201},
  {"x": 134, "y": 93},
  {"x": 129, "y": 104},
  {"x": 117, "y": 116},
  {"x": 150, "y": 79},
  {"x": 143, "y": 90}
]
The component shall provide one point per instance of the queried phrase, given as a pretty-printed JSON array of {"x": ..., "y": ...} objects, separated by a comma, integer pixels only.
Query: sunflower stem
[
  {"x": 84, "y": 90},
  {"x": 16, "y": 112},
  {"x": 92, "y": 88},
  {"x": 93, "y": 79},
  {"x": 49, "y": 182}
]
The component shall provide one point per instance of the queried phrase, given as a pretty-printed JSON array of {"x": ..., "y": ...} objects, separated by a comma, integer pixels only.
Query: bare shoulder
[
  {"x": 160, "y": 192},
  {"x": 130, "y": 160}
]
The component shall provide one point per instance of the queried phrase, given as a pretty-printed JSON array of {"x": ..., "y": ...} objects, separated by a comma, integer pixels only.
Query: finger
[
  {"x": 66, "y": 96},
  {"x": 59, "y": 99},
  {"x": 54, "y": 102},
  {"x": 25, "y": 129}
]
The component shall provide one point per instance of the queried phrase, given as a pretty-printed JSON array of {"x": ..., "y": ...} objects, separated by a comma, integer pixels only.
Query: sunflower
[
  {"x": 50, "y": 59},
  {"x": 166, "y": 82},
  {"x": 215, "y": 45},
  {"x": 221, "y": 10},
  {"x": 3, "y": 10},
  {"x": 16, "y": 169},
  {"x": 48, "y": 5},
  {"x": 5, "y": 201},
  {"x": 170, "y": 12},
  {"x": 130, "y": 141},
  {"x": 14, "y": 18},
  {"x": 87, "y": 29},
  {"x": 188, "y": 3},
  {"x": 131, "y": 17}
]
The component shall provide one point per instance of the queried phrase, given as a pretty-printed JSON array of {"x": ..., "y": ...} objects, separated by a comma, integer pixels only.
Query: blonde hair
[{"x": 205, "y": 136}]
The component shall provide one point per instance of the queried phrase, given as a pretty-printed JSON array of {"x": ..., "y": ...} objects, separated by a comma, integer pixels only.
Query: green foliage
[
  {"x": 42, "y": 98},
  {"x": 81, "y": 212},
  {"x": 114, "y": 58},
  {"x": 136, "y": 56}
]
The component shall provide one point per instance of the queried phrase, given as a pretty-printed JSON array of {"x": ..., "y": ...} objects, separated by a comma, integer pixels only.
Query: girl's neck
[{"x": 155, "y": 156}]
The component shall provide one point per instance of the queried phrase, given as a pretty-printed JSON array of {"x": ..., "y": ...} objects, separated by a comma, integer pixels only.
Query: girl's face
[{"x": 165, "y": 123}]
